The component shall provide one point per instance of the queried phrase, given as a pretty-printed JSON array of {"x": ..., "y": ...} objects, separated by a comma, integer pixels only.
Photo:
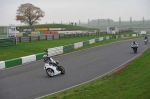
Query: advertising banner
[
  {"x": 25, "y": 30},
  {"x": 41, "y": 29},
  {"x": 46, "y": 32},
  {"x": 57, "y": 28}
]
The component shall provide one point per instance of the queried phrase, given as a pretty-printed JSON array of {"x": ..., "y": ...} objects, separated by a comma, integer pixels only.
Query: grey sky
[{"x": 75, "y": 10}]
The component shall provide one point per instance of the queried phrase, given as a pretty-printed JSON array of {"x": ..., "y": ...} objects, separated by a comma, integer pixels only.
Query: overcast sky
[{"x": 75, "y": 10}]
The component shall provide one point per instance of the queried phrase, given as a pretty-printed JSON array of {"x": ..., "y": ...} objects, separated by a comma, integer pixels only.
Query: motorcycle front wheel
[
  {"x": 135, "y": 50},
  {"x": 62, "y": 70},
  {"x": 50, "y": 72}
]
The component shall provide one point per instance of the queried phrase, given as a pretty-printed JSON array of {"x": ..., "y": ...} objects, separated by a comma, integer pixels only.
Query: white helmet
[{"x": 45, "y": 56}]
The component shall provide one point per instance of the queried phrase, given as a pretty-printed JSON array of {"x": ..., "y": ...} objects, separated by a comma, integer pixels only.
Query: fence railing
[
  {"x": 52, "y": 37},
  {"x": 13, "y": 41},
  {"x": 7, "y": 42}
]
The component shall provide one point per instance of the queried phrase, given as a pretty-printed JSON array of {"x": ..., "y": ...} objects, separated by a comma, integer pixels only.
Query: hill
[{"x": 67, "y": 27}]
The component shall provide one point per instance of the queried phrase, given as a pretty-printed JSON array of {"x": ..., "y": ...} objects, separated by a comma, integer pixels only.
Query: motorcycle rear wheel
[{"x": 135, "y": 50}]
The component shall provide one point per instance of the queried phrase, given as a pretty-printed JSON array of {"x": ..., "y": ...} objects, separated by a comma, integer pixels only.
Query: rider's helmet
[
  {"x": 45, "y": 56},
  {"x": 133, "y": 42}
]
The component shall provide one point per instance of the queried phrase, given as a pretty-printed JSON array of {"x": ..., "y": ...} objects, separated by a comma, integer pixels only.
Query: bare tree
[{"x": 29, "y": 14}]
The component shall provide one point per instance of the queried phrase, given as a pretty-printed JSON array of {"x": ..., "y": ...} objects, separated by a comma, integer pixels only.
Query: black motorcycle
[
  {"x": 146, "y": 41},
  {"x": 134, "y": 47}
]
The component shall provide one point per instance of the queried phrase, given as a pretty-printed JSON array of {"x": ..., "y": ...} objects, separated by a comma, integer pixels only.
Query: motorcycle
[
  {"x": 146, "y": 41},
  {"x": 53, "y": 69},
  {"x": 135, "y": 47}
]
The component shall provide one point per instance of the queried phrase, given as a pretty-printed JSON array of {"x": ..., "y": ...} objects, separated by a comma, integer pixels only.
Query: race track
[{"x": 30, "y": 81}]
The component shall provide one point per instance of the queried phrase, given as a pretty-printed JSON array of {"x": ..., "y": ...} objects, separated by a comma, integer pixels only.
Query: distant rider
[{"x": 146, "y": 38}]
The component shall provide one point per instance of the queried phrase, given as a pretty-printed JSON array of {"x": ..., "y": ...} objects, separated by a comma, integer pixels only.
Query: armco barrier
[
  {"x": 97, "y": 40},
  {"x": 2, "y": 64},
  {"x": 117, "y": 36},
  {"x": 78, "y": 45},
  {"x": 59, "y": 50},
  {"x": 113, "y": 36},
  {"x": 70, "y": 47},
  {"x": 101, "y": 38},
  {"x": 65, "y": 48},
  {"x": 91, "y": 41},
  {"x": 13, "y": 62},
  {"x": 122, "y": 36},
  {"x": 133, "y": 35},
  {"x": 51, "y": 52},
  {"x": 85, "y": 43},
  {"x": 55, "y": 51},
  {"x": 27, "y": 59},
  {"x": 40, "y": 55},
  {"x": 127, "y": 35},
  {"x": 107, "y": 37}
]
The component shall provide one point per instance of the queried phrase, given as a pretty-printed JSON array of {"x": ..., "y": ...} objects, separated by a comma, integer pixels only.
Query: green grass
[
  {"x": 131, "y": 83},
  {"x": 24, "y": 49},
  {"x": 68, "y": 27}
]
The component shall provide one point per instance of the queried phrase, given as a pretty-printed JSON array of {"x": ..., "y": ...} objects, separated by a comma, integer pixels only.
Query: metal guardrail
[
  {"x": 52, "y": 37},
  {"x": 7, "y": 42}
]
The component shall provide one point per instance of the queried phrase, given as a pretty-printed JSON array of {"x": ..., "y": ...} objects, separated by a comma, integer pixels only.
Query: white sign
[
  {"x": 27, "y": 30},
  {"x": 143, "y": 32},
  {"x": 57, "y": 28}
]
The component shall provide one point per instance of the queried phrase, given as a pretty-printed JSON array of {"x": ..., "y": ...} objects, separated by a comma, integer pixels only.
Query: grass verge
[
  {"x": 25, "y": 49},
  {"x": 67, "y": 27},
  {"x": 131, "y": 83}
]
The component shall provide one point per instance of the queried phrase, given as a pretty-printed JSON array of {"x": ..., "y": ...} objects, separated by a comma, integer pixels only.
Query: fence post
[
  {"x": 15, "y": 41},
  {"x": 46, "y": 37},
  {"x": 30, "y": 38},
  {"x": 38, "y": 38},
  {"x": 20, "y": 38},
  {"x": 53, "y": 37},
  {"x": 58, "y": 36}
]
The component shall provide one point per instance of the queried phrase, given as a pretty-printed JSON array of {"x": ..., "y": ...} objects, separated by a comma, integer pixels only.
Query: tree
[{"x": 29, "y": 14}]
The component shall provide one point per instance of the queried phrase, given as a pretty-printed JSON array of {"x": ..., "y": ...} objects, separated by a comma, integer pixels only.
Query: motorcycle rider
[
  {"x": 134, "y": 44},
  {"x": 49, "y": 60},
  {"x": 146, "y": 38}
]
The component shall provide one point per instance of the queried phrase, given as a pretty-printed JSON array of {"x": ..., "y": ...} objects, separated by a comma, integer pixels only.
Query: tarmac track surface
[{"x": 30, "y": 81}]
